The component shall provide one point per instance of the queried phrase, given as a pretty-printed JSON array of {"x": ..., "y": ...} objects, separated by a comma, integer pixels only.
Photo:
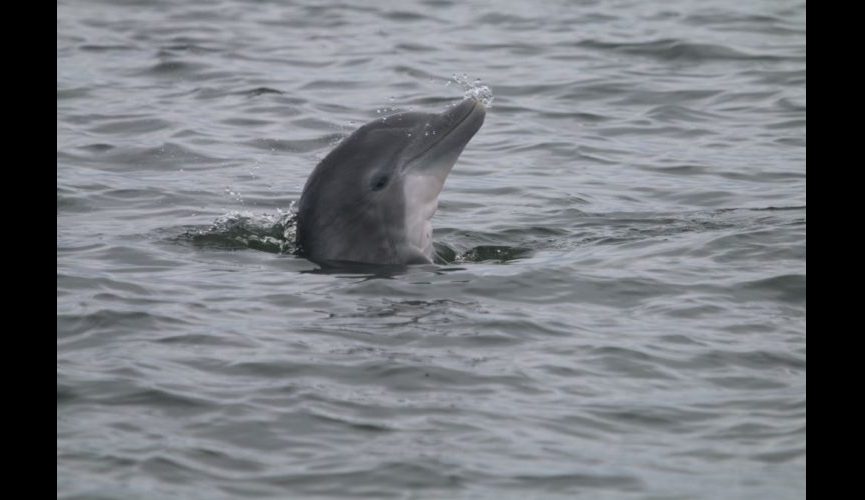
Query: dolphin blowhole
[{"x": 370, "y": 200}]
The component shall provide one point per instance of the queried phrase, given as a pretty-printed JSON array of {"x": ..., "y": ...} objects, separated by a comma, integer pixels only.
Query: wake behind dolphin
[{"x": 371, "y": 199}]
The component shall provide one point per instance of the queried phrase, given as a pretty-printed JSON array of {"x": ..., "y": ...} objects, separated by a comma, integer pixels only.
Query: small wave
[
  {"x": 167, "y": 156},
  {"x": 260, "y": 91},
  {"x": 295, "y": 146},
  {"x": 671, "y": 49},
  {"x": 174, "y": 68}
]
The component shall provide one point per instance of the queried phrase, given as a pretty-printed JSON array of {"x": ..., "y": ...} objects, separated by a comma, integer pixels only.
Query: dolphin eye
[{"x": 379, "y": 182}]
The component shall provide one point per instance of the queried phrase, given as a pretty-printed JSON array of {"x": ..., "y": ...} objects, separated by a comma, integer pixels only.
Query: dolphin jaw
[{"x": 421, "y": 202}]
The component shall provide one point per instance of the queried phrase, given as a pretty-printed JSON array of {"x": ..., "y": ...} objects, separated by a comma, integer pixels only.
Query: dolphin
[{"x": 370, "y": 200}]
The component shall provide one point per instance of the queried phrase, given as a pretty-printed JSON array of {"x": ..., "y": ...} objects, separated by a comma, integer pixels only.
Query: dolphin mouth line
[{"x": 470, "y": 112}]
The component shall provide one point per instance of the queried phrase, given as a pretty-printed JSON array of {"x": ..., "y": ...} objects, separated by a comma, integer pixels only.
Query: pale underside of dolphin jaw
[{"x": 421, "y": 201}]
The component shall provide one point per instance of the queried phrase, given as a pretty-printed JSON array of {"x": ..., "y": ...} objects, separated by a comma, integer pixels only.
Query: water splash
[
  {"x": 474, "y": 88},
  {"x": 491, "y": 254},
  {"x": 230, "y": 191},
  {"x": 274, "y": 233},
  {"x": 389, "y": 109}
]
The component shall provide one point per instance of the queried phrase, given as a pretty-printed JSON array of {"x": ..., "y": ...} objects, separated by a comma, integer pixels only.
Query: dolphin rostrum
[{"x": 371, "y": 199}]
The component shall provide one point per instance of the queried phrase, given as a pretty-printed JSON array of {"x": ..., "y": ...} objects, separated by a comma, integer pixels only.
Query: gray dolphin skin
[{"x": 371, "y": 199}]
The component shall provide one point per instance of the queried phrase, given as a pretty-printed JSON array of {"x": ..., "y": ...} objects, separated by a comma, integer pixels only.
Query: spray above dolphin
[{"x": 371, "y": 199}]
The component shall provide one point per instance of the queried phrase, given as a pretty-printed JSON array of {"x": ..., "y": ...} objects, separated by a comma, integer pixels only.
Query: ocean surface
[{"x": 618, "y": 307}]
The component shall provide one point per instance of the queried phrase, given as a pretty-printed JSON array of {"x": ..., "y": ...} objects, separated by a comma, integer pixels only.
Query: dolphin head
[{"x": 371, "y": 199}]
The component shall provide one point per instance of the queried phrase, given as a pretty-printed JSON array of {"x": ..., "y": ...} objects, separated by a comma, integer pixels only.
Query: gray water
[{"x": 619, "y": 305}]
